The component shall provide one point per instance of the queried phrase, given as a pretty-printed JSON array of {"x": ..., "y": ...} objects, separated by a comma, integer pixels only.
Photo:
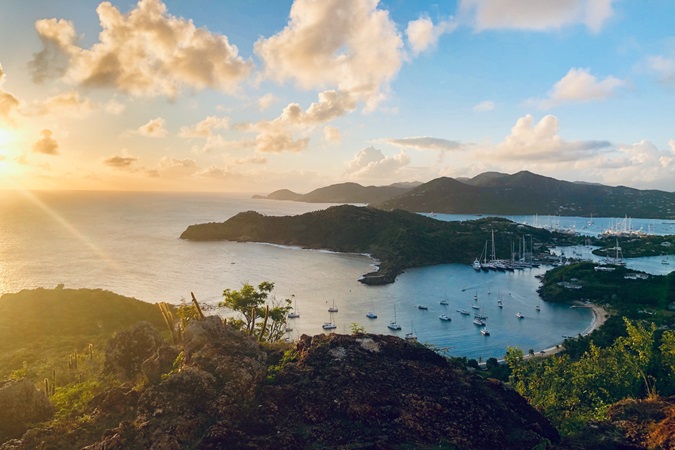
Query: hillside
[
  {"x": 528, "y": 193},
  {"x": 344, "y": 193},
  {"x": 328, "y": 391},
  {"x": 398, "y": 239},
  {"x": 49, "y": 323}
]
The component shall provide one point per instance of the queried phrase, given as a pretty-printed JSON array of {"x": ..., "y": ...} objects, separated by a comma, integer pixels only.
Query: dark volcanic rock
[
  {"x": 20, "y": 404},
  {"x": 383, "y": 392}
]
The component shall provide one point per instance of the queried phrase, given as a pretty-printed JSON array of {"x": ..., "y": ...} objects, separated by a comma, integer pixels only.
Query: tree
[{"x": 266, "y": 320}]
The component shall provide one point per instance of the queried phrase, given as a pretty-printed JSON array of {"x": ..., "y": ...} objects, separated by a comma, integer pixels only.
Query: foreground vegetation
[{"x": 631, "y": 357}]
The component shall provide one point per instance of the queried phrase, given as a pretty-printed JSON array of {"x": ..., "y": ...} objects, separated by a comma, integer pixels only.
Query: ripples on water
[{"x": 128, "y": 243}]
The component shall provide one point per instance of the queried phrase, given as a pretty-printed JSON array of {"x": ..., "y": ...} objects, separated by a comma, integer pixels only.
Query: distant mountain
[
  {"x": 282, "y": 194},
  {"x": 528, "y": 193},
  {"x": 345, "y": 193}
]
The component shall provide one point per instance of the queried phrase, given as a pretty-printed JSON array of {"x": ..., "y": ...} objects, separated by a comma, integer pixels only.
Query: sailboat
[
  {"x": 499, "y": 301},
  {"x": 333, "y": 309},
  {"x": 412, "y": 336},
  {"x": 445, "y": 301},
  {"x": 294, "y": 314},
  {"x": 484, "y": 331},
  {"x": 329, "y": 325},
  {"x": 393, "y": 325}
]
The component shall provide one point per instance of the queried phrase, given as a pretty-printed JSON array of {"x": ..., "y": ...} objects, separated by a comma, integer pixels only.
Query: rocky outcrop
[
  {"x": 127, "y": 350},
  {"x": 330, "y": 391},
  {"x": 21, "y": 404},
  {"x": 382, "y": 392}
]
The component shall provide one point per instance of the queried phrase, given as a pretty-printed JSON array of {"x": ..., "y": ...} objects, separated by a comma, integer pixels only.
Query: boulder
[{"x": 21, "y": 403}]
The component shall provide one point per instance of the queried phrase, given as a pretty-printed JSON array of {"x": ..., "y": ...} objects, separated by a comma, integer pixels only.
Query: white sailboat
[
  {"x": 393, "y": 325},
  {"x": 329, "y": 325},
  {"x": 412, "y": 336},
  {"x": 333, "y": 309},
  {"x": 294, "y": 314}
]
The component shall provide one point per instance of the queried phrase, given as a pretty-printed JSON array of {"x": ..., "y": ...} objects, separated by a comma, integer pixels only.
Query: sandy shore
[{"x": 599, "y": 318}]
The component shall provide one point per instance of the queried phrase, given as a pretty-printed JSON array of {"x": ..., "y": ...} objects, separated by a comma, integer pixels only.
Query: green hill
[
  {"x": 399, "y": 239},
  {"x": 528, "y": 193},
  {"x": 40, "y": 324}
]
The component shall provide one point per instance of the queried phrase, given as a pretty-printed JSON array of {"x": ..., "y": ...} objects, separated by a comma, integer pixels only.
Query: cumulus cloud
[
  {"x": 641, "y": 165},
  {"x": 252, "y": 160},
  {"x": 146, "y": 52},
  {"x": 580, "y": 86},
  {"x": 266, "y": 101},
  {"x": 540, "y": 142},
  {"x": 155, "y": 128},
  {"x": 537, "y": 15},
  {"x": 331, "y": 134},
  {"x": 123, "y": 162},
  {"x": 277, "y": 135},
  {"x": 205, "y": 128},
  {"x": 331, "y": 44},
  {"x": 8, "y": 103},
  {"x": 423, "y": 34},
  {"x": 486, "y": 105},
  {"x": 424, "y": 143},
  {"x": 47, "y": 145},
  {"x": 663, "y": 67},
  {"x": 176, "y": 168},
  {"x": 67, "y": 104},
  {"x": 371, "y": 163},
  {"x": 212, "y": 172}
]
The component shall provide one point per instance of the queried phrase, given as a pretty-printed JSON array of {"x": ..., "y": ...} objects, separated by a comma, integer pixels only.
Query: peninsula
[{"x": 397, "y": 239}]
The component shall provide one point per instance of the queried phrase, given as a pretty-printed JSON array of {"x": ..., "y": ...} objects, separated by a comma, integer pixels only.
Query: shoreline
[{"x": 599, "y": 318}]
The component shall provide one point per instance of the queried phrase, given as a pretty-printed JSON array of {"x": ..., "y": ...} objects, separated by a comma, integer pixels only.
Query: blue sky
[{"x": 254, "y": 96}]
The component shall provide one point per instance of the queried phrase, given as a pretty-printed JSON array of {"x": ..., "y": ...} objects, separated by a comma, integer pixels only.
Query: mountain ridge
[{"x": 523, "y": 192}]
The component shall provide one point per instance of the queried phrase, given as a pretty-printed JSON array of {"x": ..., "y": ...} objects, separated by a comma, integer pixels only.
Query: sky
[{"x": 258, "y": 95}]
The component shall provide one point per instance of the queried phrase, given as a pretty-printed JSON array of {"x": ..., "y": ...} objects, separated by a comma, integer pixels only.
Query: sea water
[{"x": 129, "y": 243}]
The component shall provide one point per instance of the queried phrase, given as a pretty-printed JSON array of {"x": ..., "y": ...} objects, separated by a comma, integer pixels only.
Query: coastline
[{"x": 599, "y": 318}]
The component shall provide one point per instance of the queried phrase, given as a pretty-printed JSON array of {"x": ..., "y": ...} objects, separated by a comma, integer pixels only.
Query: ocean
[{"x": 129, "y": 243}]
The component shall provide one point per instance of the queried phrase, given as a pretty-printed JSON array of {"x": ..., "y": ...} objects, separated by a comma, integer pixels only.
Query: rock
[
  {"x": 127, "y": 350},
  {"x": 21, "y": 403},
  {"x": 160, "y": 363},
  {"x": 344, "y": 394}
]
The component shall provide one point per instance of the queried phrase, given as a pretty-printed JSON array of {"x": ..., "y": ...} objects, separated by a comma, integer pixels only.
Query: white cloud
[
  {"x": 331, "y": 134},
  {"x": 170, "y": 167},
  {"x": 8, "y": 103},
  {"x": 66, "y": 104},
  {"x": 537, "y": 15},
  {"x": 540, "y": 142},
  {"x": 155, "y": 128},
  {"x": 205, "y": 128},
  {"x": 121, "y": 162},
  {"x": 486, "y": 105},
  {"x": 424, "y": 143},
  {"x": 266, "y": 101},
  {"x": 423, "y": 34},
  {"x": 580, "y": 86},
  {"x": 371, "y": 163},
  {"x": 47, "y": 145},
  {"x": 278, "y": 135},
  {"x": 331, "y": 43},
  {"x": 663, "y": 67},
  {"x": 252, "y": 160},
  {"x": 146, "y": 52},
  {"x": 671, "y": 144}
]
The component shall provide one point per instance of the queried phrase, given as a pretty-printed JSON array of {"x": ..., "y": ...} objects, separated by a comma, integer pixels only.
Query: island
[{"x": 397, "y": 239}]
